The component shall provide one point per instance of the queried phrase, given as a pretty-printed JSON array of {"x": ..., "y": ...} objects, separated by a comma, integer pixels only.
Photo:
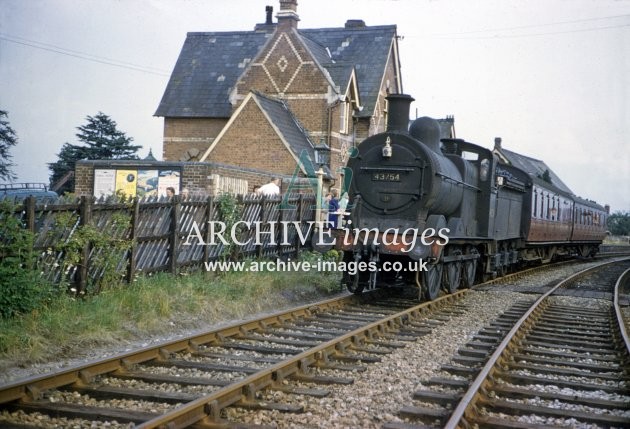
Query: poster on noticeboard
[
  {"x": 104, "y": 182},
  {"x": 168, "y": 179},
  {"x": 126, "y": 181},
  {"x": 135, "y": 182},
  {"x": 147, "y": 183}
]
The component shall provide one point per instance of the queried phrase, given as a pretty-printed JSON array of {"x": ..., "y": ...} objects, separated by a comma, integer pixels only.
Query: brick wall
[
  {"x": 311, "y": 112},
  {"x": 282, "y": 57},
  {"x": 183, "y": 134},
  {"x": 83, "y": 179},
  {"x": 252, "y": 142}
]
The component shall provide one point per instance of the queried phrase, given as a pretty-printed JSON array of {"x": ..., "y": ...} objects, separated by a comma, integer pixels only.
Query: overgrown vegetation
[
  {"x": 107, "y": 246},
  {"x": 21, "y": 287},
  {"x": 230, "y": 213},
  {"x": 152, "y": 305}
]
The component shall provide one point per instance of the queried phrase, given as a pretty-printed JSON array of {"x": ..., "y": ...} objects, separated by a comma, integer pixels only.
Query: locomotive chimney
[{"x": 398, "y": 112}]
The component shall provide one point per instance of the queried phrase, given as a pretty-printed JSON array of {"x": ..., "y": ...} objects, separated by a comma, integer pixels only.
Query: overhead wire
[
  {"x": 547, "y": 24},
  {"x": 470, "y": 35},
  {"x": 82, "y": 55}
]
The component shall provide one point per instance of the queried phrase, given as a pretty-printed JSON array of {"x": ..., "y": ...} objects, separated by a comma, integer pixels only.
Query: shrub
[{"x": 21, "y": 287}]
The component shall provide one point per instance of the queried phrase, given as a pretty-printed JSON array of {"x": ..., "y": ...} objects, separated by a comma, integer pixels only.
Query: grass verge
[{"x": 151, "y": 306}]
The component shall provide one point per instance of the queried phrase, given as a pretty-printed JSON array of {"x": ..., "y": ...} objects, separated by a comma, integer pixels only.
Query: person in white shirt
[{"x": 270, "y": 189}]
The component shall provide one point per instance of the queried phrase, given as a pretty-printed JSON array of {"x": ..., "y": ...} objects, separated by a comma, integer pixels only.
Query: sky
[{"x": 550, "y": 77}]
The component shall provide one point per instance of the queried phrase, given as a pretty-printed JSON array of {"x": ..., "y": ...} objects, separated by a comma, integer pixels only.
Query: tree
[
  {"x": 101, "y": 140},
  {"x": 619, "y": 223},
  {"x": 8, "y": 139},
  {"x": 546, "y": 176}
]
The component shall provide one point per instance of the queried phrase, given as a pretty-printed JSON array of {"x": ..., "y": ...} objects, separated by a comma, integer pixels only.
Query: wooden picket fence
[{"x": 156, "y": 233}]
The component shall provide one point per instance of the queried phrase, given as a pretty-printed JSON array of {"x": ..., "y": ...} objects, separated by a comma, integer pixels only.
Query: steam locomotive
[{"x": 444, "y": 213}]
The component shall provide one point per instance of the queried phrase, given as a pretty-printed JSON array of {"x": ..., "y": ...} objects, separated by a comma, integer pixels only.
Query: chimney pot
[{"x": 497, "y": 142}]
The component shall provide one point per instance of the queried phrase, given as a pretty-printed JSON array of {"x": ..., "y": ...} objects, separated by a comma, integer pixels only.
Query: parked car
[{"x": 18, "y": 192}]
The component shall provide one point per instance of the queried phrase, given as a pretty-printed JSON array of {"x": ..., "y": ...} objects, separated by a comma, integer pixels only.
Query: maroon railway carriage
[{"x": 557, "y": 223}]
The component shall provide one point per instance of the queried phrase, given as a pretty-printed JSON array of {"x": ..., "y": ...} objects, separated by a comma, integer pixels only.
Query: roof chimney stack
[
  {"x": 287, "y": 17},
  {"x": 497, "y": 142},
  {"x": 355, "y": 23},
  {"x": 268, "y": 25}
]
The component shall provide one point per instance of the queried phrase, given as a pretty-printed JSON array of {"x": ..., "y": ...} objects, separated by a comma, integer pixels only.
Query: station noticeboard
[{"x": 135, "y": 181}]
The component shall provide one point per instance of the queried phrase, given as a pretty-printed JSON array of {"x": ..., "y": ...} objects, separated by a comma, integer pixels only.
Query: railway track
[
  {"x": 548, "y": 361},
  {"x": 193, "y": 380}
]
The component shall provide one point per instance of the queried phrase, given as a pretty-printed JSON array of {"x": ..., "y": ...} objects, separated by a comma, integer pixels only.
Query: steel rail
[
  {"x": 32, "y": 386},
  {"x": 207, "y": 410},
  {"x": 473, "y": 392},
  {"x": 623, "y": 280}
]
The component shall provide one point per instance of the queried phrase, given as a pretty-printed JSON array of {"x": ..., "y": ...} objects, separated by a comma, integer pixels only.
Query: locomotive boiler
[{"x": 439, "y": 213}]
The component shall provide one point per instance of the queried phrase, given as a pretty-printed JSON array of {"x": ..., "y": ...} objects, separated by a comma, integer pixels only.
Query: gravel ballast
[{"x": 377, "y": 394}]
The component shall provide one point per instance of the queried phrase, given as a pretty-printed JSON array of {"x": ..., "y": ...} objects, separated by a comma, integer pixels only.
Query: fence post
[
  {"x": 279, "y": 232},
  {"x": 29, "y": 205},
  {"x": 135, "y": 214},
  {"x": 263, "y": 219},
  {"x": 174, "y": 235},
  {"x": 85, "y": 213},
  {"x": 209, "y": 210},
  {"x": 298, "y": 242}
]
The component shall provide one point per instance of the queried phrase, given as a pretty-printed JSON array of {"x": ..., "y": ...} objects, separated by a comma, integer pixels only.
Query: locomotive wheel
[
  {"x": 452, "y": 277},
  {"x": 468, "y": 273},
  {"x": 432, "y": 278}
]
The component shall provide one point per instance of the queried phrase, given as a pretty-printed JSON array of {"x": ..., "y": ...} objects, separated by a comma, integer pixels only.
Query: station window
[{"x": 343, "y": 117}]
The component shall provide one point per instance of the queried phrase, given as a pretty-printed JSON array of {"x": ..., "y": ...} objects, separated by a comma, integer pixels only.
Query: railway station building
[{"x": 262, "y": 100}]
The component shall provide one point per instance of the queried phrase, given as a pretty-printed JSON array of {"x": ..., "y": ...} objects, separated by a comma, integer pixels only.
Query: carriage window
[{"x": 535, "y": 198}]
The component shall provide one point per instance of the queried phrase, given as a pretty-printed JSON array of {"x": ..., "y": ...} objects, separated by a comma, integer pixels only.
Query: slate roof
[
  {"x": 534, "y": 167},
  {"x": 207, "y": 69},
  {"x": 210, "y": 64},
  {"x": 292, "y": 132},
  {"x": 340, "y": 74},
  {"x": 366, "y": 48}
]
